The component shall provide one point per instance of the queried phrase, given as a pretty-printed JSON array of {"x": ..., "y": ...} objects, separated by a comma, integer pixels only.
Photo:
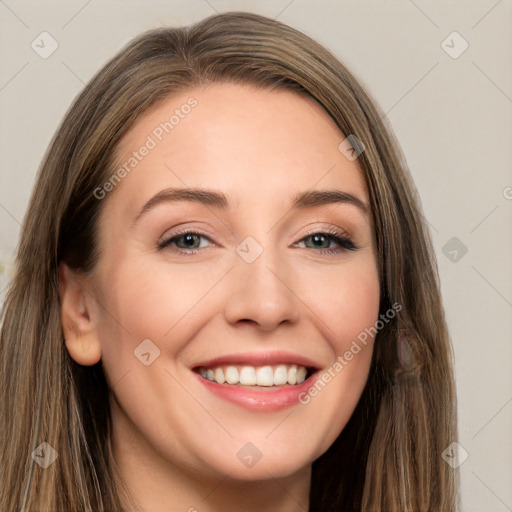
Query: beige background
[{"x": 452, "y": 117}]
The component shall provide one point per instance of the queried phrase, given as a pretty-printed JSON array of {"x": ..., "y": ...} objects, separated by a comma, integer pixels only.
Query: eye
[
  {"x": 187, "y": 242},
  {"x": 322, "y": 240}
]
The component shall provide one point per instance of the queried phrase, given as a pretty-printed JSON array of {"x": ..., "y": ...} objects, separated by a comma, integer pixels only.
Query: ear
[{"x": 78, "y": 317}]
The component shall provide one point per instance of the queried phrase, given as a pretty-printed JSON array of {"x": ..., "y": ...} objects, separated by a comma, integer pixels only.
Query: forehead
[{"x": 247, "y": 141}]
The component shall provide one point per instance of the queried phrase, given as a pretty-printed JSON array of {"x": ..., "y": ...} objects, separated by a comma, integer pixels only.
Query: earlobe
[{"x": 78, "y": 318}]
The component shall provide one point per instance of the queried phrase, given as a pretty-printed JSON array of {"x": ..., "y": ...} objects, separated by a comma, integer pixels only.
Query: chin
[{"x": 248, "y": 462}]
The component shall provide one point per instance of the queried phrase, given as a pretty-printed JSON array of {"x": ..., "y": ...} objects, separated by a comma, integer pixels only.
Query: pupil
[
  {"x": 318, "y": 238},
  {"x": 189, "y": 239}
]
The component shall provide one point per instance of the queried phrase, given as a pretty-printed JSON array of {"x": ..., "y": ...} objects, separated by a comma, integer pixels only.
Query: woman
[{"x": 259, "y": 369}]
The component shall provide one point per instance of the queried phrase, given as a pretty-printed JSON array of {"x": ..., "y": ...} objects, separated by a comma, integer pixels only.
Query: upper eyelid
[
  {"x": 334, "y": 231},
  {"x": 316, "y": 229},
  {"x": 164, "y": 239}
]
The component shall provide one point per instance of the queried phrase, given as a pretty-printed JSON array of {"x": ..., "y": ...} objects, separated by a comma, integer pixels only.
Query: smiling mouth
[{"x": 257, "y": 377}]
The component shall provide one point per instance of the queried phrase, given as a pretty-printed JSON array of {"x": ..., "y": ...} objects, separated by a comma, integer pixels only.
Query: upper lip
[{"x": 260, "y": 358}]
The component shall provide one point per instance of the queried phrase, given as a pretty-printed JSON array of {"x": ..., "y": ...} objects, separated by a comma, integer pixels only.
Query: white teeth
[
  {"x": 248, "y": 376},
  {"x": 292, "y": 375},
  {"x": 232, "y": 375},
  {"x": 280, "y": 375},
  {"x": 219, "y": 376},
  {"x": 265, "y": 376},
  {"x": 301, "y": 374}
]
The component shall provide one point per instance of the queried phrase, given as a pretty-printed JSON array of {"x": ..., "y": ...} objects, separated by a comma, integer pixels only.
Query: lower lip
[{"x": 265, "y": 400}]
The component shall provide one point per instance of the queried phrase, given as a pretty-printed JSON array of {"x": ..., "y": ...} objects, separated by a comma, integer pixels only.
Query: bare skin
[{"x": 178, "y": 444}]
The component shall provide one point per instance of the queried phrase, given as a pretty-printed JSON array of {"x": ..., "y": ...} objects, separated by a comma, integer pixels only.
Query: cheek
[
  {"x": 150, "y": 303},
  {"x": 165, "y": 305},
  {"x": 354, "y": 311},
  {"x": 348, "y": 313},
  {"x": 355, "y": 306},
  {"x": 345, "y": 301}
]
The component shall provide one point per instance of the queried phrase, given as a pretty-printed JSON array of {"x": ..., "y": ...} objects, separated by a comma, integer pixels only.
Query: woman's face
[{"x": 219, "y": 259}]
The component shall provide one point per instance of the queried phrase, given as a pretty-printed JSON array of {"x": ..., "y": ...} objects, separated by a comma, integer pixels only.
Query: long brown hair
[{"x": 388, "y": 457}]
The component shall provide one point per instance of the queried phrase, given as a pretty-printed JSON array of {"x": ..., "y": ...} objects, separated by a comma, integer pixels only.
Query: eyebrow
[{"x": 307, "y": 199}]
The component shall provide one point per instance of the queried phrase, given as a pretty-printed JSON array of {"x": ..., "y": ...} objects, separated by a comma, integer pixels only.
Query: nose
[{"x": 262, "y": 292}]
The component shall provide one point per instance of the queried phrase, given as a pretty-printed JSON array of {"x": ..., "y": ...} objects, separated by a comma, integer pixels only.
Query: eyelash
[{"x": 344, "y": 242}]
